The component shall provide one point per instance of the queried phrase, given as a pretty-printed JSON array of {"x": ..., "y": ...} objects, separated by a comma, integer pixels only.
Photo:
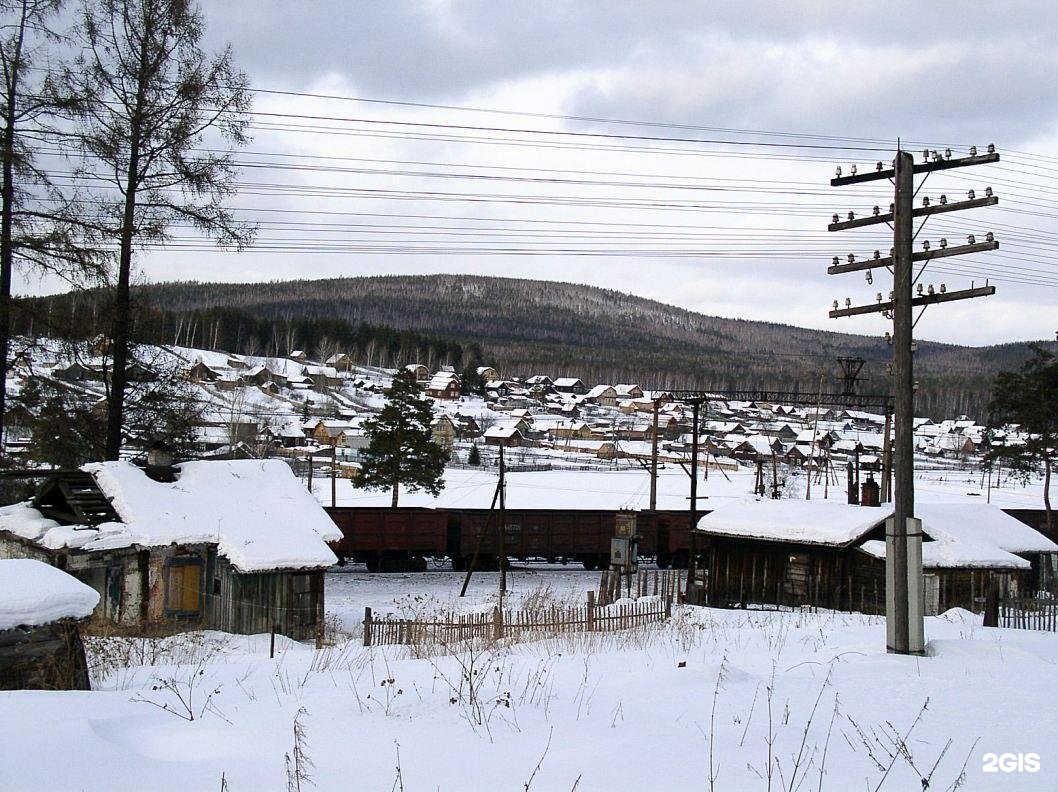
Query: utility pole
[
  {"x": 503, "y": 528},
  {"x": 654, "y": 460},
  {"x": 903, "y": 552}
]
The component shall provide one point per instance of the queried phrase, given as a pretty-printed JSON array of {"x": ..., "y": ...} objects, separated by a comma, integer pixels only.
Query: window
[{"x": 183, "y": 586}]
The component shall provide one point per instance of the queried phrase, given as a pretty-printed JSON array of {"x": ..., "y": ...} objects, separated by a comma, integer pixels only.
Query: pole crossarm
[
  {"x": 922, "y": 255},
  {"x": 922, "y": 167},
  {"x": 922, "y": 211},
  {"x": 925, "y": 299}
]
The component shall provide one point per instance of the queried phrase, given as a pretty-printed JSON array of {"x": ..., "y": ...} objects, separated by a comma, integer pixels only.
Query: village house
[
  {"x": 443, "y": 431},
  {"x": 422, "y": 374},
  {"x": 340, "y": 362},
  {"x": 238, "y": 545},
  {"x": 603, "y": 395},
  {"x": 40, "y": 645},
  {"x": 327, "y": 431},
  {"x": 487, "y": 373},
  {"x": 444, "y": 385},
  {"x": 507, "y": 436},
  {"x": 570, "y": 385},
  {"x": 322, "y": 377},
  {"x": 298, "y": 356},
  {"x": 627, "y": 391}
]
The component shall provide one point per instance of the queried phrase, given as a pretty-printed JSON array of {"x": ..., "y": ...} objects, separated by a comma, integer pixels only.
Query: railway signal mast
[{"x": 903, "y": 536}]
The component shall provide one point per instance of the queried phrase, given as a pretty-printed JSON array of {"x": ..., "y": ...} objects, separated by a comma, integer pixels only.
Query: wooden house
[
  {"x": 603, "y": 395},
  {"x": 298, "y": 356},
  {"x": 200, "y": 372},
  {"x": 508, "y": 436},
  {"x": 322, "y": 377},
  {"x": 444, "y": 385},
  {"x": 443, "y": 431},
  {"x": 40, "y": 645},
  {"x": 340, "y": 362},
  {"x": 487, "y": 373},
  {"x": 628, "y": 391},
  {"x": 422, "y": 374},
  {"x": 235, "y": 545},
  {"x": 570, "y": 385},
  {"x": 466, "y": 427}
]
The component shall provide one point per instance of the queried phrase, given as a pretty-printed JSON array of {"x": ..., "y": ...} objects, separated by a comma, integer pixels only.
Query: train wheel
[
  {"x": 590, "y": 562},
  {"x": 341, "y": 560},
  {"x": 679, "y": 559},
  {"x": 372, "y": 563},
  {"x": 664, "y": 560},
  {"x": 459, "y": 564},
  {"x": 417, "y": 564}
]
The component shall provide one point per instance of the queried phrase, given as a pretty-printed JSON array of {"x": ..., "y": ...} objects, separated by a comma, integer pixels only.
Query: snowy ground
[{"x": 650, "y": 709}]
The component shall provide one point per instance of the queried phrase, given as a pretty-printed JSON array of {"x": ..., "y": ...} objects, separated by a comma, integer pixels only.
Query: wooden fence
[
  {"x": 1029, "y": 613},
  {"x": 521, "y": 624},
  {"x": 658, "y": 582}
]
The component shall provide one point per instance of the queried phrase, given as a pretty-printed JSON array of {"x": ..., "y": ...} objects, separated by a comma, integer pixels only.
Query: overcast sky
[{"x": 748, "y": 224}]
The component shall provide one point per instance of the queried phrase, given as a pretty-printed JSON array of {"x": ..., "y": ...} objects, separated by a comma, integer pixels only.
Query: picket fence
[{"x": 600, "y": 613}]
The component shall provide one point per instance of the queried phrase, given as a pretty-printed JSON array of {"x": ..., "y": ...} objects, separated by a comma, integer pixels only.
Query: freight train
[
  {"x": 392, "y": 540},
  {"x": 405, "y": 539}
]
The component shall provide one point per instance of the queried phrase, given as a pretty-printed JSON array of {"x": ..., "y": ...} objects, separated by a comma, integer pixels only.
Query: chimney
[{"x": 160, "y": 463}]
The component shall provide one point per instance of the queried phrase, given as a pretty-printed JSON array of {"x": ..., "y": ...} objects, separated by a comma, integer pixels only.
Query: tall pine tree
[{"x": 401, "y": 449}]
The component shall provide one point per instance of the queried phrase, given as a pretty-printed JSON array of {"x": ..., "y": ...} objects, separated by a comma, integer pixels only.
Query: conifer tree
[
  {"x": 474, "y": 456},
  {"x": 401, "y": 449},
  {"x": 1029, "y": 398}
]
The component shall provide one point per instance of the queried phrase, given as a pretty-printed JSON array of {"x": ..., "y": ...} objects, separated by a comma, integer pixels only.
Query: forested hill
[{"x": 527, "y": 327}]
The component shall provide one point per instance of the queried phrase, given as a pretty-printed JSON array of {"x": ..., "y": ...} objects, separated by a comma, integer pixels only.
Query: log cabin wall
[{"x": 748, "y": 572}]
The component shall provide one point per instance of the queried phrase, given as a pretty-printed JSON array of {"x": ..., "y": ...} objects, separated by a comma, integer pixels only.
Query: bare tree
[
  {"x": 154, "y": 98},
  {"x": 34, "y": 226}
]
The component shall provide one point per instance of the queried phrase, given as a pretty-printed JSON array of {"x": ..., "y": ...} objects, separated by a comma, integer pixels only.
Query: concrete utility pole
[
  {"x": 654, "y": 460},
  {"x": 903, "y": 551}
]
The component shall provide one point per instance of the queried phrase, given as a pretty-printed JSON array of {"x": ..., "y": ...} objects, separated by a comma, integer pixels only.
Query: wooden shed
[
  {"x": 233, "y": 545},
  {"x": 788, "y": 553},
  {"x": 40, "y": 645}
]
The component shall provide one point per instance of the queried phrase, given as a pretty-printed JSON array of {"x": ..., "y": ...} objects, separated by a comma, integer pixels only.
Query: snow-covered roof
[
  {"x": 255, "y": 511},
  {"x": 501, "y": 432},
  {"x": 797, "y": 521},
  {"x": 36, "y": 593},
  {"x": 567, "y": 382},
  {"x": 598, "y": 391},
  {"x": 976, "y": 535}
]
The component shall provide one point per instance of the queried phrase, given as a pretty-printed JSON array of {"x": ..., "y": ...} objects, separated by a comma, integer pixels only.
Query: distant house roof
[
  {"x": 600, "y": 390},
  {"x": 36, "y": 593},
  {"x": 502, "y": 432},
  {"x": 256, "y": 512}
]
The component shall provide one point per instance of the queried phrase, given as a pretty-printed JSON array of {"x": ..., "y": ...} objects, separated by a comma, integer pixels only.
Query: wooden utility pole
[
  {"x": 693, "y": 550},
  {"x": 903, "y": 552}
]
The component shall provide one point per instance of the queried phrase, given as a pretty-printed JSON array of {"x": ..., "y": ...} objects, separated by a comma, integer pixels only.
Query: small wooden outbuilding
[
  {"x": 235, "y": 545},
  {"x": 40, "y": 609}
]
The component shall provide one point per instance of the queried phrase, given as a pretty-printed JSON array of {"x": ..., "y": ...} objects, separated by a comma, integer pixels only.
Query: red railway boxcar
[{"x": 390, "y": 540}]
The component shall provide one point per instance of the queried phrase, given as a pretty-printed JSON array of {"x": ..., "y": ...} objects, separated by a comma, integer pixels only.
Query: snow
[
  {"x": 785, "y": 520},
  {"x": 972, "y": 535},
  {"x": 623, "y": 712},
  {"x": 256, "y": 511},
  {"x": 36, "y": 593}
]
